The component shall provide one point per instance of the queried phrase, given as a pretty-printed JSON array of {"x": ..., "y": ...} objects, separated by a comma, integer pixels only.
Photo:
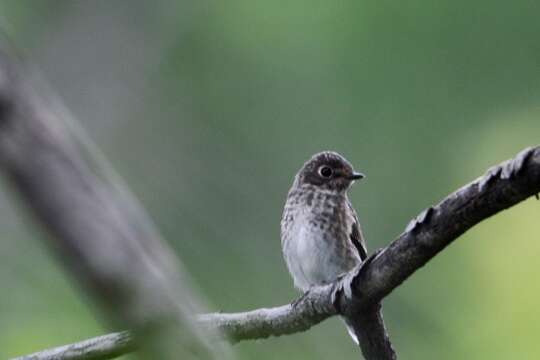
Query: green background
[{"x": 208, "y": 108}]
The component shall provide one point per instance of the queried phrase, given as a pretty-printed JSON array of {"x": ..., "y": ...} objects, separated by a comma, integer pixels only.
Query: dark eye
[{"x": 325, "y": 171}]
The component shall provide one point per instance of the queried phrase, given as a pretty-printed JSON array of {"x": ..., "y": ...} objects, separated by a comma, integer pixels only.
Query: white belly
[{"x": 312, "y": 258}]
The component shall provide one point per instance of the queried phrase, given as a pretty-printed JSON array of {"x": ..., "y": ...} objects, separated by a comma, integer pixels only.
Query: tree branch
[
  {"x": 103, "y": 347},
  {"x": 436, "y": 227},
  {"x": 371, "y": 332},
  {"x": 430, "y": 232},
  {"x": 97, "y": 229}
]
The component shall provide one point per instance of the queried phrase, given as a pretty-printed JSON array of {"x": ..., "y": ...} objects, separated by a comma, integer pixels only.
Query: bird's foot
[
  {"x": 344, "y": 282},
  {"x": 297, "y": 302}
]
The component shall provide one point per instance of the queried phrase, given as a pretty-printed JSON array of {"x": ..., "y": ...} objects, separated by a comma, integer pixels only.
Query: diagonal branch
[
  {"x": 103, "y": 347},
  {"x": 436, "y": 227},
  {"x": 97, "y": 229},
  {"x": 430, "y": 232}
]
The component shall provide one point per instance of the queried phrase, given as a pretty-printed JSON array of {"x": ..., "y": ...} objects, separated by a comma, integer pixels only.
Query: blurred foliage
[{"x": 208, "y": 108}]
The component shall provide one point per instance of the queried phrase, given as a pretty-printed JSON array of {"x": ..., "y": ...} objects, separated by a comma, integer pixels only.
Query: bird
[{"x": 321, "y": 237}]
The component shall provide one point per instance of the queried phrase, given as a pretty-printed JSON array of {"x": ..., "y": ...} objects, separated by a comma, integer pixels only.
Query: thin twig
[{"x": 103, "y": 347}]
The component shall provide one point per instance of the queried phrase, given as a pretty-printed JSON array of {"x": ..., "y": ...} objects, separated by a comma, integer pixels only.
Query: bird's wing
[{"x": 355, "y": 234}]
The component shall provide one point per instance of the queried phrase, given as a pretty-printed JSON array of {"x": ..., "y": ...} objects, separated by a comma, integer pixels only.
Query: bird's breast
[{"x": 315, "y": 244}]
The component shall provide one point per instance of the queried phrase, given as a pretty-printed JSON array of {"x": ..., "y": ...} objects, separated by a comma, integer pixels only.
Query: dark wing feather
[{"x": 356, "y": 235}]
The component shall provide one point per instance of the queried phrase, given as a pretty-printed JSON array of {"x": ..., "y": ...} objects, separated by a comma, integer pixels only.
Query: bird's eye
[{"x": 325, "y": 171}]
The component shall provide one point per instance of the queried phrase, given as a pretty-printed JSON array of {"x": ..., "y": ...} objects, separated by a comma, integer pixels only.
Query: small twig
[{"x": 102, "y": 347}]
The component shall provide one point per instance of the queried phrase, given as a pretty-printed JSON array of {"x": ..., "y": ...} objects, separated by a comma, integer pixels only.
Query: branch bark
[
  {"x": 373, "y": 337},
  {"x": 501, "y": 187}
]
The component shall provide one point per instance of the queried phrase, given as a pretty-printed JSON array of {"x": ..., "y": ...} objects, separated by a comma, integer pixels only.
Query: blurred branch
[
  {"x": 98, "y": 230},
  {"x": 360, "y": 291},
  {"x": 102, "y": 347}
]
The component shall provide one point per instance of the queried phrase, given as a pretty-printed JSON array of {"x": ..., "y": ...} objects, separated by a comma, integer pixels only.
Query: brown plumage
[{"x": 321, "y": 237}]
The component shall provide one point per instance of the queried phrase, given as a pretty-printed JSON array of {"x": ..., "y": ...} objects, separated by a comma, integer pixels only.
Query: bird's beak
[{"x": 356, "y": 176}]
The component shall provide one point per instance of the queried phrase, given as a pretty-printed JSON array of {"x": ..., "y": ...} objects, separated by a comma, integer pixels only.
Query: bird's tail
[{"x": 350, "y": 330}]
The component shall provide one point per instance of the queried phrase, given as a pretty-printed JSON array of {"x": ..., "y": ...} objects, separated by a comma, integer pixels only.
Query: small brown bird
[{"x": 321, "y": 238}]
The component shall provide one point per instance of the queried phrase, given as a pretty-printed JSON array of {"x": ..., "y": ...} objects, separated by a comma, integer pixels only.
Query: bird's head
[{"x": 328, "y": 170}]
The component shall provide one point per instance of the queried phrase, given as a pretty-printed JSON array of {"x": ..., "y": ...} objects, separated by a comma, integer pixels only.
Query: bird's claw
[
  {"x": 297, "y": 302},
  {"x": 344, "y": 281}
]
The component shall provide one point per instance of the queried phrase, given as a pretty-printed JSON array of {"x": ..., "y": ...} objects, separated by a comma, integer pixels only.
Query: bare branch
[
  {"x": 503, "y": 186},
  {"x": 312, "y": 308},
  {"x": 436, "y": 227},
  {"x": 99, "y": 348},
  {"x": 98, "y": 231}
]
